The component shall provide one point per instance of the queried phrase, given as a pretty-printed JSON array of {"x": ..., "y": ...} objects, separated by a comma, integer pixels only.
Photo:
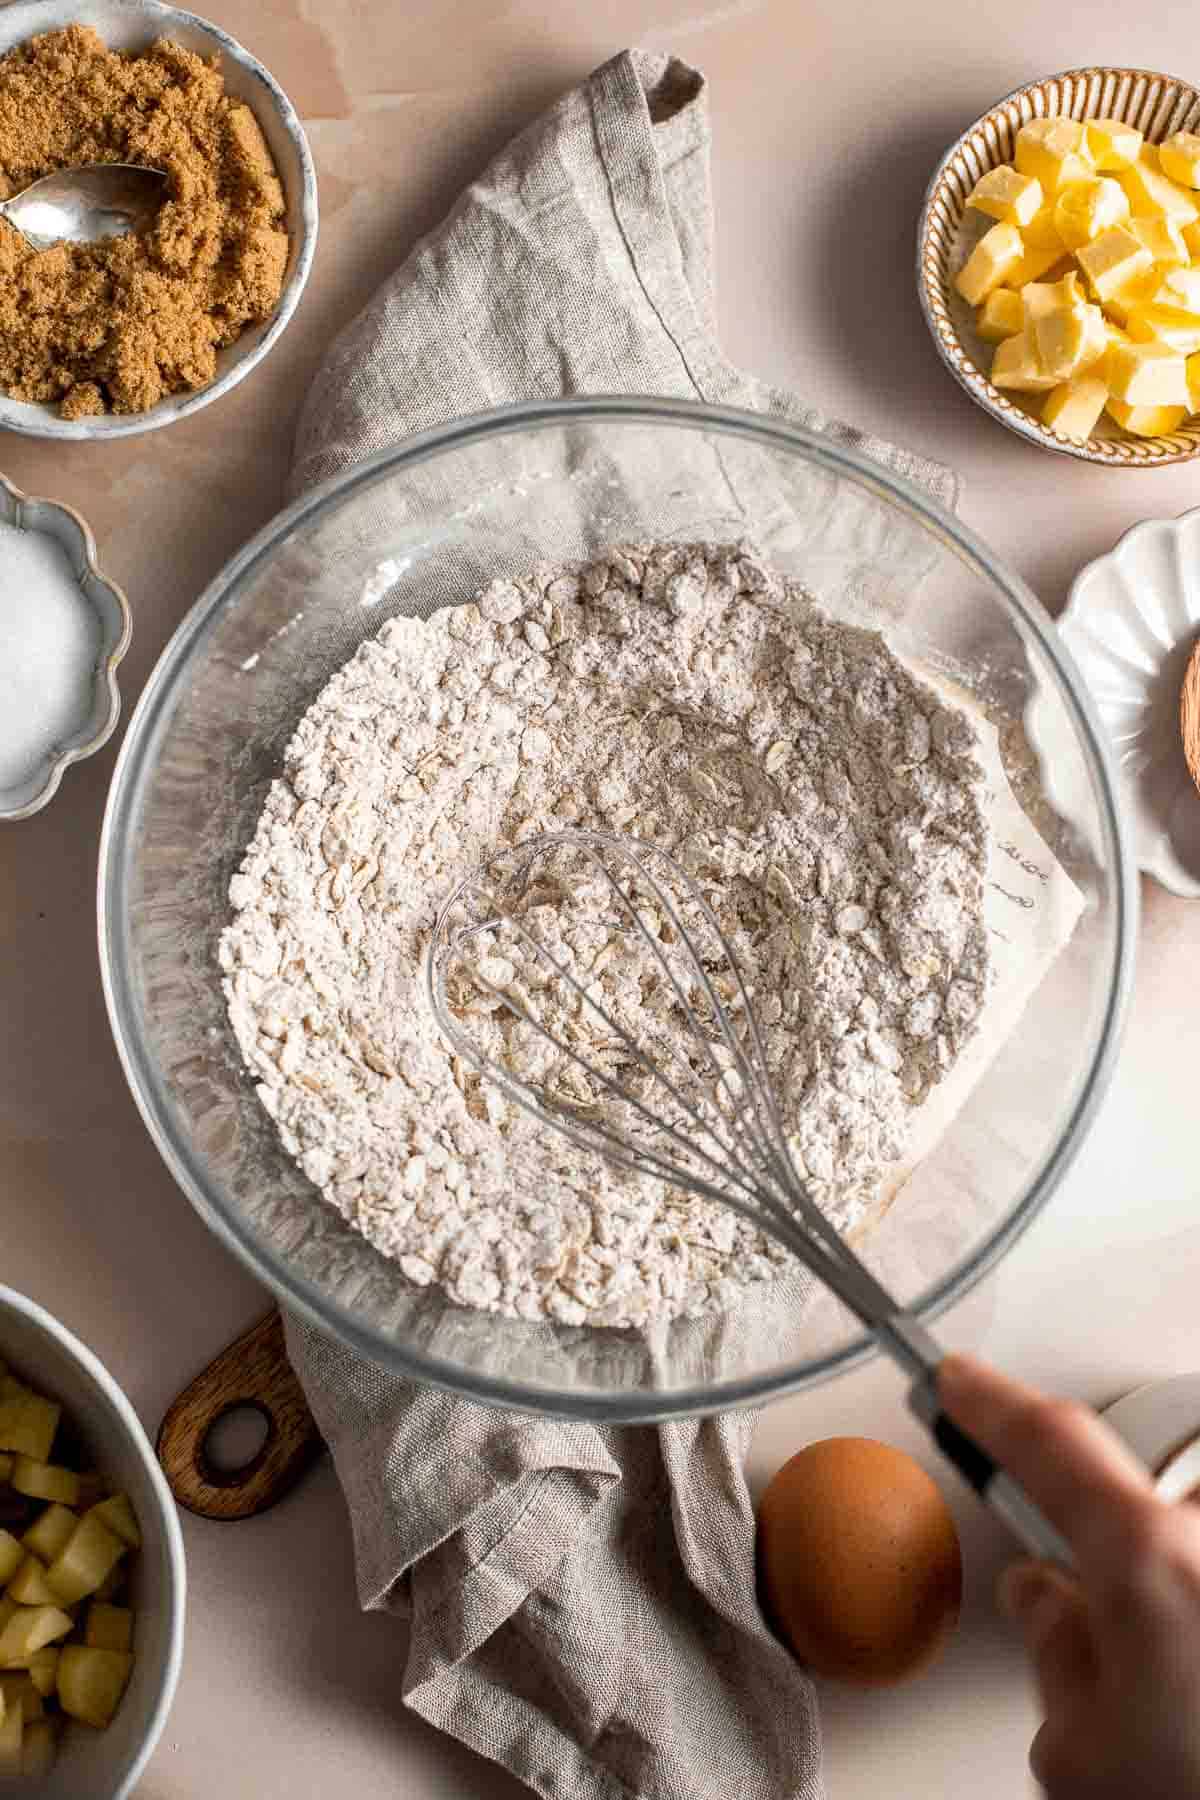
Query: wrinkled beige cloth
[{"x": 582, "y": 1598}]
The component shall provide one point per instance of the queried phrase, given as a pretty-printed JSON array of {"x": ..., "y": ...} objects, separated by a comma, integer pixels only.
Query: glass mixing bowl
[{"x": 428, "y": 523}]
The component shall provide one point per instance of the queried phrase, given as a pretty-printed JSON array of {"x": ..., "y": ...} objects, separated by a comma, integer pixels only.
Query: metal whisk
[{"x": 661, "y": 1067}]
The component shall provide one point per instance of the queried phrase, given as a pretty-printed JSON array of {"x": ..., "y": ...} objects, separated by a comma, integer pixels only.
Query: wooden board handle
[{"x": 253, "y": 1372}]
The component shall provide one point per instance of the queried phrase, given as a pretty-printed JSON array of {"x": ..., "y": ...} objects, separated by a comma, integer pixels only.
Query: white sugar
[{"x": 49, "y": 644}]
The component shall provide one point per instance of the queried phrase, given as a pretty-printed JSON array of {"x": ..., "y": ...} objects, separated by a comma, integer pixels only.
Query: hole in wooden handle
[
  {"x": 236, "y": 1443},
  {"x": 252, "y": 1375}
]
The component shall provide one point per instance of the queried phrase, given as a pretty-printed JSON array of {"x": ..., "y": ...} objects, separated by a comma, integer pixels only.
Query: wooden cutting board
[{"x": 253, "y": 1372}]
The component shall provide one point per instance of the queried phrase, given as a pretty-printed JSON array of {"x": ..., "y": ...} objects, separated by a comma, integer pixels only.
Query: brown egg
[{"x": 858, "y": 1561}]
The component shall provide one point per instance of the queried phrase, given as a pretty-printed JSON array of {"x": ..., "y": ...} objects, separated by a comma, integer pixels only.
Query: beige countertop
[{"x": 828, "y": 118}]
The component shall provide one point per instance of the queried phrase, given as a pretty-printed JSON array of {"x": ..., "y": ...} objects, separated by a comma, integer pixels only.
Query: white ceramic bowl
[
  {"x": 134, "y": 25},
  {"x": 105, "y": 1765},
  {"x": 1130, "y": 623},
  {"x": 98, "y": 701}
]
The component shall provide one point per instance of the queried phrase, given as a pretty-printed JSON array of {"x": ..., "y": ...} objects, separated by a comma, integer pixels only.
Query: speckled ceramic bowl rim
[
  {"x": 48, "y": 15},
  {"x": 1167, "y": 451},
  {"x": 176, "y": 1596},
  {"x": 12, "y": 506}
]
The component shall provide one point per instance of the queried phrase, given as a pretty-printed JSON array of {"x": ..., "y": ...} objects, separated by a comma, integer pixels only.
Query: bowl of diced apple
[
  {"x": 91, "y": 1570},
  {"x": 1058, "y": 265}
]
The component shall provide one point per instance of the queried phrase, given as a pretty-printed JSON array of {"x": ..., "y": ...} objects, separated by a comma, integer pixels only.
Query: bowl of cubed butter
[
  {"x": 1058, "y": 265},
  {"x": 91, "y": 1570}
]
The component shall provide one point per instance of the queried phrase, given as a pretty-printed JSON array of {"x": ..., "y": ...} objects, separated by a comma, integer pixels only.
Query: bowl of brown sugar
[{"x": 107, "y": 339}]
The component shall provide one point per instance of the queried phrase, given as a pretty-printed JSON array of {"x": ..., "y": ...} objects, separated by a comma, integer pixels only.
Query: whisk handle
[{"x": 996, "y": 1488}]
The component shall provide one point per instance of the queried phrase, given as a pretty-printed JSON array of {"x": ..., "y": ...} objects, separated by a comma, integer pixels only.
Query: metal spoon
[{"x": 86, "y": 205}]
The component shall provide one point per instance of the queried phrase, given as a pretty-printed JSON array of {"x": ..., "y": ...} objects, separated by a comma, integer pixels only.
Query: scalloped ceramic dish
[
  {"x": 134, "y": 25},
  {"x": 1157, "y": 105},
  {"x": 99, "y": 702},
  {"x": 1130, "y": 623}
]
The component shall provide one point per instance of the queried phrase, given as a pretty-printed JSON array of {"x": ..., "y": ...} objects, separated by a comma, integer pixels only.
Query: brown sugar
[{"x": 117, "y": 326}]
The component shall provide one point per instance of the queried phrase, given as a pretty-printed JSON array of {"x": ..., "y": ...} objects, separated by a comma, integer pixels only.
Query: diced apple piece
[
  {"x": 91, "y": 1682},
  {"x": 1111, "y": 143},
  {"x": 995, "y": 256},
  {"x": 28, "y": 1422},
  {"x": 28, "y": 1629},
  {"x": 90, "y": 1552},
  {"x": 47, "y": 1536},
  {"x": 18, "y": 1690},
  {"x": 12, "y": 1555},
  {"x": 1000, "y": 315},
  {"x": 7, "y": 1609},
  {"x": 43, "y": 1669},
  {"x": 112, "y": 1585},
  {"x": 29, "y": 1587},
  {"x": 37, "y": 1749},
  {"x": 45, "y": 1481},
  {"x": 11, "y": 1733},
  {"x": 109, "y": 1627},
  {"x": 117, "y": 1513},
  {"x": 6, "y": 1465},
  {"x": 1147, "y": 421}
]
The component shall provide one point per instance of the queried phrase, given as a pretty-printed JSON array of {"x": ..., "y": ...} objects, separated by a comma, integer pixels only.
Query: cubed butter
[
  {"x": 1170, "y": 325},
  {"x": 1000, "y": 315},
  {"x": 1112, "y": 260},
  {"x": 1111, "y": 143},
  {"x": 1193, "y": 381},
  {"x": 1140, "y": 375},
  {"x": 1146, "y": 421},
  {"x": 1007, "y": 195},
  {"x": 1179, "y": 287},
  {"x": 1073, "y": 409},
  {"x": 1040, "y": 297},
  {"x": 1151, "y": 193},
  {"x": 1069, "y": 340},
  {"x": 993, "y": 260},
  {"x": 1191, "y": 237},
  {"x": 1140, "y": 291},
  {"x": 1163, "y": 239},
  {"x": 1053, "y": 152},
  {"x": 1041, "y": 233},
  {"x": 1015, "y": 365},
  {"x": 1086, "y": 208},
  {"x": 1036, "y": 263},
  {"x": 1179, "y": 157}
]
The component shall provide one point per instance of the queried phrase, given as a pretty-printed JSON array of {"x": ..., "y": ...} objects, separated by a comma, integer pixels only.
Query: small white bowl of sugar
[{"x": 64, "y": 627}]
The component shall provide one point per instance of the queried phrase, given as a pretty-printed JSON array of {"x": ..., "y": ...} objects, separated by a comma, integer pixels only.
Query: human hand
[{"x": 1116, "y": 1645}]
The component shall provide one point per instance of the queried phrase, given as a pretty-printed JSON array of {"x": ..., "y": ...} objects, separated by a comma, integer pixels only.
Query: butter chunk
[
  {"x": 1191, "y": 237},
  {"x": 1147, "y": 421},
  {"x": 1000, "y": 315},
  {"x": 1015, "y": 365},
  {"x": 1170, "y": 325},
  {"x": 1073, "y": 410},
  {"x": 1179, "y": 158},
  {"x": 1146, "y": 375},
  {"x": 1054, "y": 152},
  {"x": 1007, "y": 195},
  {"x": 1041, "y": 233},
  {"x": 1193, "y": 381},
  {"x": 1041, "y": 297},
  {"x": 1179, "y": 287},
  {"x": 995, "y": 256},
  {"x": 1111, "y": 143},
  {"x": 1139, "y": 292},
  {"x": 1069, "y": 340},
  {"x": 1112, "y": 260},
  {"x": 1036, "y": 263},
  {"x": 1151, "y": 193},
  {"x": 1163, "y": 238},
  {"x": 1086, "y": 208}
]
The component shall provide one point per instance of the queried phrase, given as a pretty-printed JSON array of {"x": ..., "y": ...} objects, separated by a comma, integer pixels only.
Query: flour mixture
[{"x": 828, "y": 802}]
